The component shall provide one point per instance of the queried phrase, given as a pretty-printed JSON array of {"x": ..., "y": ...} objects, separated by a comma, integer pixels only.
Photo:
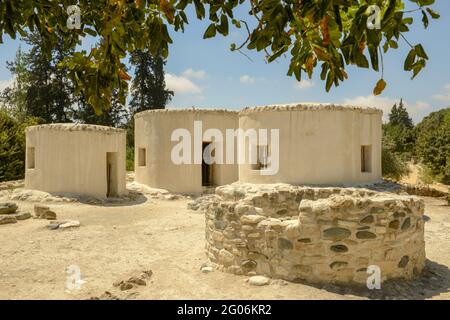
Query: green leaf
[
  {"x": 425, "y": 19},
  {"x": 210, "y": 32},
  {"x": 410, "y": 60},
  {"x": 199, "y": 9},
  {"x": 223, "y": 26},
  {"x": 433, "y": 13},
  {"x": 421, "y": 51}
]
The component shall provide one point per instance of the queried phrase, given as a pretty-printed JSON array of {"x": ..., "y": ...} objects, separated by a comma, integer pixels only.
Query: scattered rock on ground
[
  {"x": 259, "y": 281},
  {"x": 106, "y": 296},
  {"x": 44, "y": 212},
  {"x": 70, "y": 224},
  {"x": 8, "y": 208},
  {"x": 201, "y": 203},
  {"x": 138, "y": 281},
  {"x": 126, "y": 286},
  {"x": 63, "y": 224},
  {"x": 280, "y": 282},
  {"x": 207, "y": 269},
  {"x": 11, "y": 185},
  {"x": 22, "y": 216},
  {"x": 40, "y": 196},
  {"x": 171, "y": 197},
  {"x": 6, "y": 219},
  {"x": 147, "y": 274}
]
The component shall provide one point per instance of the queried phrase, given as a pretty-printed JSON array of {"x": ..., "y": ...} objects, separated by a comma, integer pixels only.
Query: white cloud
[
  {"x": 385, "y": 103},
  {"x": 247, "y": 79},
  {"x": 445, "y": 97},
  {"x": 6, "y": 83},
  {"x": 304, "y": 84},
  {"x": 181, "y": 84},
  {"x": 192, "y": 74}
]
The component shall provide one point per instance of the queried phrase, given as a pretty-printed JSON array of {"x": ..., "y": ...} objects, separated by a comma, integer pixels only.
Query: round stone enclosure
[{"x": 316, "y": 235}]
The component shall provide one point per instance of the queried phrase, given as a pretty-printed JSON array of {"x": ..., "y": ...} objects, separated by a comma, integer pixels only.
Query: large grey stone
[
  {"x": 8, "y": 208},
  {"x": 22, "y": 216}
]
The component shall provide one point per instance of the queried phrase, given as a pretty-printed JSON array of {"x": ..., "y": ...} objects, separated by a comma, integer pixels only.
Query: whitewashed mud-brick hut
[
  {"x": 76, "y": 159},
  {"x": 159, "y": 163},
  {"x": 305, "y": 144},
  {"x": 318, "y": 144}
]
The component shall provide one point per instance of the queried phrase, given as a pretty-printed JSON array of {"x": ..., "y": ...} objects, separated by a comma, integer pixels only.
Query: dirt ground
[
  {"x": 414, "y": 177},
  {"x": 119, "y": 241}
]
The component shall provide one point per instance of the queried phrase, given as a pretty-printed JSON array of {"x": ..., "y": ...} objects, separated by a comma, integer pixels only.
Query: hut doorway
[
  {"x": 207, "y": 169},
  {"x": 112, "y": 180}
]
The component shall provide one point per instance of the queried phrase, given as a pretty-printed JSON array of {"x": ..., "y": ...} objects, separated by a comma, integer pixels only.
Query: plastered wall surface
[
  {"x": 319, "y": 145},
  {"x": 153, "y": 131},
  {"x": 71, "y": 158}
]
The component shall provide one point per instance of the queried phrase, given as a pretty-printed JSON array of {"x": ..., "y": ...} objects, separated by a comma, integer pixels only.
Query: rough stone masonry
[{"x": 317, "y": 235}]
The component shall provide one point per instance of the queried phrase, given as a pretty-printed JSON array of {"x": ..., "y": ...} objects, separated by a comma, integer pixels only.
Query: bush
[
  {"x": 433, "y": 144},
  {"x": 12, "y": 146},
  {"x": 393, "y": 166},
  {"x": 130, "y": 159}
]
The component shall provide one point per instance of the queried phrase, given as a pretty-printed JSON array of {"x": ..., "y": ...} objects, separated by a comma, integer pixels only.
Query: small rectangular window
[
  {"x": 142, "y": 157},
  {"x": 366, "y": 158},
  {"x": 31, "y": 162},
  {"x": 262, "y": 158}
]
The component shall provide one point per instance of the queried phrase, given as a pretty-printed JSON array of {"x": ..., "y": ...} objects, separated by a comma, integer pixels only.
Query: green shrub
[
  {"x": 12, "y": 146},
  {"x": 393, "y": 166},
  {"x": 433, "y": 144},
  {"x": 130, "y": 158}
]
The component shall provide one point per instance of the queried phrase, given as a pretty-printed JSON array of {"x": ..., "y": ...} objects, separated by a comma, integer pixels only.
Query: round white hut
[
  {"x": 316, "y": 144},
  {"x": 169, "y": 148},
  {"x": 76, "y": 159}
]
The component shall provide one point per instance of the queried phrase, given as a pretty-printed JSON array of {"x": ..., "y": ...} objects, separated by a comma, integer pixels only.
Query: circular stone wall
[
  {"x": 74, "y": 159},
  {"x": 317, "y": 235},
  {"x": 318, "y": 144},
  {"x": 154, "y": 165}
]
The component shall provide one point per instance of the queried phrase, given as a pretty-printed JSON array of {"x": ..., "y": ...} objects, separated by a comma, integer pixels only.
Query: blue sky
[{"x": 205, "y": 73}]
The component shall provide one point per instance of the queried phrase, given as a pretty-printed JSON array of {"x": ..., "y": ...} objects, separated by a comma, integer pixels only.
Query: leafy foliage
[
  {"x": 393, "y": 166},
  {"x": 326, "y": 34},
  {"x": 399, "y": 116},
  {"x": 400, "y": 131},
  {"x": 12, "y": 146},
  {"x": 148, "y": 89},
  {"x": 130, "y": 158},
  {"x": 115, "y": 116},
  {"x": 433, "y": 143},
  {"x": 41, "y": 89}
]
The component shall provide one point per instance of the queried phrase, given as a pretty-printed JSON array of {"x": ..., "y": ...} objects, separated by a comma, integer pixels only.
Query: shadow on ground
[
  {"x": 133, "y": 198},
  {"x": 434, "y": 280}
]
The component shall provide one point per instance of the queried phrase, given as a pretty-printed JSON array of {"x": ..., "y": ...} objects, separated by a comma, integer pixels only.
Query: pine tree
[
  {"x": 41, "y": 88},
  {"x": 399, "y": 116},
  {"x": 400, "y": 131},
  {"x": 13, "y": 98},
  {"x": 148, "y": 89}
]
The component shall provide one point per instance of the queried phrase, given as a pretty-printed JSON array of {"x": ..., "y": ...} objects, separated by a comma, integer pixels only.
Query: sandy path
[
  {"x": 117, "y": 242},
  {"x": 414, "y": 178}
]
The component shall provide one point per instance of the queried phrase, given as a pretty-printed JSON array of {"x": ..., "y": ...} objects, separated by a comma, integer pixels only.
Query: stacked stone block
[{"x": 317, "y": 235}]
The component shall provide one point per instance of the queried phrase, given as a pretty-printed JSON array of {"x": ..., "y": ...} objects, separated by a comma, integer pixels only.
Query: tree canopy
[
  {"x": 148, "y": 88},
  {"x": 399, "y": 116},
  {"x": 326, "y": 34},
  {"x": 433, "y": 143}
]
